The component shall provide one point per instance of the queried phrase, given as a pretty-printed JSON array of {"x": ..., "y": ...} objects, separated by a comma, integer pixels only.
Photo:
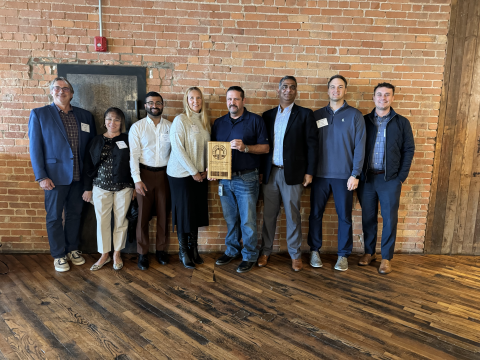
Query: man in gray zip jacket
[
  {"x": 388, "y": 157},
  {"x": 341, "y": 135}
]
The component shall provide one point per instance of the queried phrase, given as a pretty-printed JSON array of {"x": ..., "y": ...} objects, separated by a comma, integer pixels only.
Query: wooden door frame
[{"x": 462, "y": 77}]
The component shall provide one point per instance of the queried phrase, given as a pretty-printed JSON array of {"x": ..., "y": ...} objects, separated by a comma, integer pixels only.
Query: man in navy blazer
[
  {"x": 59, "y": 134},
  {"x": 287, "y": 168}
]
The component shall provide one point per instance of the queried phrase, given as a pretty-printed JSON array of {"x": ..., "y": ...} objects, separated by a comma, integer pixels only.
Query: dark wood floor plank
[
  {"x": 67, "y": 332},
  {"x": 428, "y": 308},
  {"x": 120, "y": 335},
  {"x": 101, "y": 335}
]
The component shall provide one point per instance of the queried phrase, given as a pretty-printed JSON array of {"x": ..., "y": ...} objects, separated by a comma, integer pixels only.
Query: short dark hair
[
  {"x": 287, "y": 77},
  {"x": 237, "y": 88},
  {"x": 338, "y": 76},
  {"x": 153, "y": 94},
  {"x": 117, "y": 112},
  {"x": 385, "y": 85}
]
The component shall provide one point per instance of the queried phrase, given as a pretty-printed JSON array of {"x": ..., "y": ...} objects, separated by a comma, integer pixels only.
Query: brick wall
[{"x": 214, "y": 44}]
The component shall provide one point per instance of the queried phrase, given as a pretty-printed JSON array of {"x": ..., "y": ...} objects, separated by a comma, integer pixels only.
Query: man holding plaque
[
  {"x": 248, "y": 139},
  {"x": 288, "y": 168}
]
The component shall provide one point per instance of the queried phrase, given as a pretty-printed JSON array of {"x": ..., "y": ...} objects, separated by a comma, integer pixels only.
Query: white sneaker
[
  {"x": 75, "y": 257},
  {"x": 61, "y": 264}
]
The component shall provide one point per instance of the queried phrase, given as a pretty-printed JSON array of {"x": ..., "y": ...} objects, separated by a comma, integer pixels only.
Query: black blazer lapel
[{"x": 273, "y": 116}]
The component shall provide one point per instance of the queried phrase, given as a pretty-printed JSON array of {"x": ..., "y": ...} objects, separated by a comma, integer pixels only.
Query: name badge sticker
[
  {"x": 85, "y": 127},
  {"x": 322, "y": 122},
  {"x": 165, "y": 137},
  {"x": 195, "y": 129},
  {"x": 121, "y": 145}
]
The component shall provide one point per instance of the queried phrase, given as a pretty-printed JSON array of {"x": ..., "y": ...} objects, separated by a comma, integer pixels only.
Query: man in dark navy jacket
[
  {"x": 248, "y": 139},
  {"x": 388, "y": 157},
  {"x": 59, "y": 134},
  {"x": 287, "y": 169},
  {"x": 341, "y": 136}
]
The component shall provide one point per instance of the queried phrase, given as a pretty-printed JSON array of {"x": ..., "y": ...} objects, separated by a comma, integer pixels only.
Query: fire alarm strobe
[{"x": 100, "y": 43}]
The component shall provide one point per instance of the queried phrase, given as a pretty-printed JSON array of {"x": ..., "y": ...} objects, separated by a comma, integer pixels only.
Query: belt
[
  {"x": 376, "y": 172},
  {"x": 151, "y": 168},
  {"x": 242, "y": 172},
  {"x": 279, "y": 166}
]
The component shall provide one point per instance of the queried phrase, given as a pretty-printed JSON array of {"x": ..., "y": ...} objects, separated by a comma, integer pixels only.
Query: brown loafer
[
  {"x": 385, "y": 267},
  {"x": 262, "y": 260},
  {"x": 366, "y": 259},
  {"x": 297, "y": 264}
]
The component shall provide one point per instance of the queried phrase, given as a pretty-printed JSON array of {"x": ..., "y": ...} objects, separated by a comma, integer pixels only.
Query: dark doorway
[{"x": 98, "y": 87}]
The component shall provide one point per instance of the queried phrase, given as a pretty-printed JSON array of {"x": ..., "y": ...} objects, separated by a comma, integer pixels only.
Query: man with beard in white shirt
[{"x": 149, "y": 140}]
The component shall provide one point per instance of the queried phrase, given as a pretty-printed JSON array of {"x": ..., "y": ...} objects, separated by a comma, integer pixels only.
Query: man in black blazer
[{"x": 287, "y": 168}]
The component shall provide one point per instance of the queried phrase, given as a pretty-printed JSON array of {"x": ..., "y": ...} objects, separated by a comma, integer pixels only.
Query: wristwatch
[
  {"x": 356, "y": 176},
  {"x": 246, "y": 149}
]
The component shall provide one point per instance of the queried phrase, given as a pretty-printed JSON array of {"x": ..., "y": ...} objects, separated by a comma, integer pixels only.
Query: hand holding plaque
[{"x": 219, "y": 160}]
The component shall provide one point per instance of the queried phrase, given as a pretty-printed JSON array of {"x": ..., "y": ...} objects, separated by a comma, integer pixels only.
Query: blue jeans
[
  {"x": 63, "y": 239},
  {"x": 239, "y": 204}
]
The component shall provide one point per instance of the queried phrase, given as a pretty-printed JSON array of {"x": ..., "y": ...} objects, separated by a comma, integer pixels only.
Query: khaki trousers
[{"x": 104, "y": 201}]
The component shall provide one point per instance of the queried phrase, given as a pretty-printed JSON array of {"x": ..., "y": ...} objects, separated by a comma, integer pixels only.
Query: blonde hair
[{"x": 203, "y": 111}]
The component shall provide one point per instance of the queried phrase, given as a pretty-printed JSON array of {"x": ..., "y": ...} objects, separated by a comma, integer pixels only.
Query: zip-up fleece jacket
[
  {"x": 341, "y": 142},
  {"x": 399, "y": 146}
]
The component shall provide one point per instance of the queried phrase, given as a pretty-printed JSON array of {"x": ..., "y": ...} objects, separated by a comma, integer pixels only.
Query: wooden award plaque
[{"x": 219, "y": 160}]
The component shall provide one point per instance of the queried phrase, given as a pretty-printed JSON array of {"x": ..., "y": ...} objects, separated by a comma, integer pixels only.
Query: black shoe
[
  {"x": 245, "y": 266},
  {"x": 143, "y": 262},
  {"x": 183, "y": 252},
  {"x": 193, "y": 247},
  {"x": 224, "y": 260},
  {"x": 162, "y": 257}
]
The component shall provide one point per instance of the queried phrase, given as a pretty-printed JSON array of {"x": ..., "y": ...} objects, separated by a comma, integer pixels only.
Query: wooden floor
[{"x": 428, "y": 308}]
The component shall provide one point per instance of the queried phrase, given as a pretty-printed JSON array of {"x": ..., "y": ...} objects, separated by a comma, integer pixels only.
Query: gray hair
[
  {"x": 287, "y": 77},
  {"x": 61, "y": 78}
]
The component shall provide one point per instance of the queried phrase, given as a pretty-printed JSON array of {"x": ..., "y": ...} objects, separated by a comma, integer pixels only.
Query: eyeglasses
[
  {"x": 58, "y": 88},
  {"x": 158, "y": 103}
]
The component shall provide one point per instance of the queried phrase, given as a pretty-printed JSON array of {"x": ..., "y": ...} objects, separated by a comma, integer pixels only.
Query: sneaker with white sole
[
  {"x": 315, "y": 260},
  {"x": 61, "y": 264},
  {"x": 342, "y": 264},
  {"x": 75, "y": 257}
]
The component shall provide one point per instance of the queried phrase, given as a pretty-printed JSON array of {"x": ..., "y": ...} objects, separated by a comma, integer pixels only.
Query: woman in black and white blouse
[{"x": 107, "y": 170}]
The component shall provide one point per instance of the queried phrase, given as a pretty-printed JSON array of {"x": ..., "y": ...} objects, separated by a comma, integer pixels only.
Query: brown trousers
[{"x": 158, "y": 196}]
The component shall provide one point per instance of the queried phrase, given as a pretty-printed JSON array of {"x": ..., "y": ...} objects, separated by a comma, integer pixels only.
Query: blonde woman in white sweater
[{"x": 186, "y": 171}]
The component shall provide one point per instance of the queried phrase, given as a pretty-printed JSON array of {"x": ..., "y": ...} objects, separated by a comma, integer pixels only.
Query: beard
[
  {"x": 233, "y": 109},
  {"x": 154, "y": 111}
]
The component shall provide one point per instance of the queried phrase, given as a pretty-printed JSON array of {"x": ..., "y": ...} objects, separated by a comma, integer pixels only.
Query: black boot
[
  {"x": 183, "y": 252},
  {"x": 193, "y": 247}
]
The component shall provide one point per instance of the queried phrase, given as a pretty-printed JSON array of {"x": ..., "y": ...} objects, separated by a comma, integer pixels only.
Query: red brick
[{"x": 253, "y": 46}]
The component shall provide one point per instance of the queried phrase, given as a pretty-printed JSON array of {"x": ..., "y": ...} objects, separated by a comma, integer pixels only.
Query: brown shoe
[
  {"x": 385, "y": 267},
  {"x": 366, "y": 259},
  {"x": 262, "y": 260},
  {"x": 297, "y": 264}
]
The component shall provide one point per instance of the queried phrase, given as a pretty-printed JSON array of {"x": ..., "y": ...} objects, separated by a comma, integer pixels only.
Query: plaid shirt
[
  {"x": 71, "y": 127},
  {"x": 378, "y": 154}
]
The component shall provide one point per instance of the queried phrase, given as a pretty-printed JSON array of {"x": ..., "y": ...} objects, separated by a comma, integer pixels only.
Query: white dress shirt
[{"x": 149, "y": 145}]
